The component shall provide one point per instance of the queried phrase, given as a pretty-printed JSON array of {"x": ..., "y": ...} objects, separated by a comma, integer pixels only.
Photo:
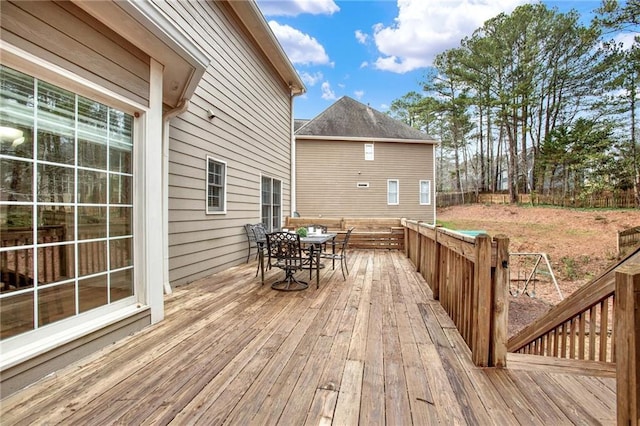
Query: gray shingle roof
[{"x": 350, "y": 118}]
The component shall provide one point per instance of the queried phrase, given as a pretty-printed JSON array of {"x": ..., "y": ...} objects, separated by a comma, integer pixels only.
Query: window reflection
[
  {"x": 16, "y": 315},
  {"x": 120, "y": 221},
  {"x": 121, "y": 189},
  {"x": 92, "y": 134},
  {"x": 55, "y": 223},
  {"x": 93, "y": 292},
  {"x": 55, "y": 263},
  {"x": 16, "y": 225},
  {"x": 16, "y": 113},
  {"x": 17, "y": 180},
  {"x": 92, "y": 257},
  {"x": 92, "y": 187},
  {"x": 121, "y": 284},
  {"x": 66, "y": 196},
  {"x": 92, "y": 222},
  {"x": 121, "y": 253},
  {"x": 55, "y": 184},
  {"x": 16, "y": 270},
  {"x": 56, "y": 303}
]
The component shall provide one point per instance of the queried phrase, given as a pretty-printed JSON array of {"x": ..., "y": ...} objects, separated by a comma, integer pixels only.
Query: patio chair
[
  {"x": 251, "y": 239},
  {"x": 260, "y": 237},
  {"x": 284, "y": 252},
  {"x": 339, "y": 252}
]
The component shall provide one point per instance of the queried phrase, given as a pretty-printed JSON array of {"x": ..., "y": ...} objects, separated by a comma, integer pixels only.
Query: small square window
[{"x": 216, "y": 186}]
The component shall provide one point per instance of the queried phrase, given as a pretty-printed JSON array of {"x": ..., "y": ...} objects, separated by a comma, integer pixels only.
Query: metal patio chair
[
  {"x": 339, "y": 252},
  {"x": 284, "y": 252}
]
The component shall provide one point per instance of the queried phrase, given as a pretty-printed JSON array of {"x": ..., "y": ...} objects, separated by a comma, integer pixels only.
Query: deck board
[{"x": 372, "y": 349}]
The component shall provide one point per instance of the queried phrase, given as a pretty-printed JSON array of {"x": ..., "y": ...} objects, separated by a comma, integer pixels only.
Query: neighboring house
[
  {"x": 136, "y": 140},
  {"x": 354, "y": 161}
]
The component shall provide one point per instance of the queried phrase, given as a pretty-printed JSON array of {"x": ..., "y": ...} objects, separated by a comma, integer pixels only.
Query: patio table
[{"x": 315, "y": 243}]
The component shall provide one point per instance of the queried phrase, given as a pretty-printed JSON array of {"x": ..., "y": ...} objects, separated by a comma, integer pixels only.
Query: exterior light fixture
[{"x": 11, "y": 134}]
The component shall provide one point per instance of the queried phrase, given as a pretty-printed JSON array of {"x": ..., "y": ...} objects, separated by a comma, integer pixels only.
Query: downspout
[
  {"x": 166, "y": 118},
  {"x": 293, "y": 155},
  {"x": 293, "y": 93}
]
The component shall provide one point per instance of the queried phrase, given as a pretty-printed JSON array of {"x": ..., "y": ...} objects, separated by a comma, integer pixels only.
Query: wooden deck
[{"x": 374, "y": 349}]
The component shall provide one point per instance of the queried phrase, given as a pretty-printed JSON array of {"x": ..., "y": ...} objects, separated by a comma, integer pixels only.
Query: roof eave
[
  {"x": 149, "y": 29},
  {"x": 365, "y": 139},
  {"x": 258, "y": 27}
]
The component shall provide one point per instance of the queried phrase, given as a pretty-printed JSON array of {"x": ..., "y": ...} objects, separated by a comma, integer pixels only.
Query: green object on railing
[{"x": 471, "y": 233}]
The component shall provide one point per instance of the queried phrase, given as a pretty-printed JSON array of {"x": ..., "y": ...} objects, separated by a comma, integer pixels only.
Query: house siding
[
  {"x": 327, "y": 174},
  {"x": 64, "y": 35},
  {"x": 251, "y": 132}
]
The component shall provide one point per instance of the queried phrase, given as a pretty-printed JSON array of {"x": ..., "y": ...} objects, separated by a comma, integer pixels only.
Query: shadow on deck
[{"x": 374, "y": 349}]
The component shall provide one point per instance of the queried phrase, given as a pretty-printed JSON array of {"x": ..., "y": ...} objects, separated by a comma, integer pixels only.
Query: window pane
[
  {"x": 56, "y": 303},
  {"x": 55, "y": 223},
  {"x": 92, "y": 257},
  {"x": 425, "y": 192},
  {"x": 120, "y": 141},
  {"x": 121, "y": 284},
  {"x": 56, "y": 263},
  {"x": 121, "y": 189},
  {"x": 92, "y": 187},
  {"x": 17, "y": 180},
  {"x": 92, "y": 134},
  {"x": 92, "y": 292},
  {"x": 215, "y": 185},
  {"x": 16, "y": 315},
  {"x": 16, "y": 113},
  {"x": 392, "y": 188},
  {"x": 120, "y": 221},
  {"x": 56, "y": 124},
  {"x": 16, "y": 225},
  {"x": 92, "y": 222},
  {"x": 16, "y": 270},
  {"x": 46, "y": 170},
  {"x": 55, "y": 184},
  {"x": 121, "y": 253}
]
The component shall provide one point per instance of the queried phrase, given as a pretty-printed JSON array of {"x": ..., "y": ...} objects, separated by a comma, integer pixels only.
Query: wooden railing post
[
  {"x": 627, "y": 341},
  {"x": 500, "y": 334},
  {"x": 418, "y": 249},
  {"x": 435, "y": 274},
  {"x": 482, "y": 288}
]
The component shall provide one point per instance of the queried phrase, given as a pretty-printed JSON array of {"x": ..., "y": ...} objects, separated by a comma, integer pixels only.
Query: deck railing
[
  {"x": 598, "y": 322},
  {"x": 374, "y": 233},
  {"x": 469, "y": 276}
]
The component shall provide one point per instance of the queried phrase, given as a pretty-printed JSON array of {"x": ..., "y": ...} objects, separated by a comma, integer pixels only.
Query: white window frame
[
  {"x": 427, "y": 194},
  {"x": 223, "y": 209},
  {"x": 368, "y": 152},
  {"x": 269, "y": 226},
  {"x": 390, "y": 202},
  {"x": 27, "y": 345}
]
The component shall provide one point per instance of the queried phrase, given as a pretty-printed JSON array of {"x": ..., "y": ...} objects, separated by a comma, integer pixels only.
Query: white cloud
[
  {"x": 359, "y": 94},
  {"x": 361, "y": 37},
  {"x": 297, "y": 7},
  {"x": 627, "y": 39},
  {"x": 384, "y": 107},
  {"x": 424, "y": 28},
  {"x": 311, "y": 79},
  {"x": 364, "y": 64},
  {"x": 300, "y": 48},
  {"x": 327, "y": 93}
]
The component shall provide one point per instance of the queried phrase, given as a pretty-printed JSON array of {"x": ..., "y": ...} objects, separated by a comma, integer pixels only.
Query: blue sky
[{"x": 377, "y": 51}]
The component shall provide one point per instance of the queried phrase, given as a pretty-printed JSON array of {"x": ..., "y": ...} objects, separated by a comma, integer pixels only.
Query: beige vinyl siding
[
  {"x": 328, "y": 172},
  {"x": 63, "y": 34},
  {"x": 250, "y": 131}
]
